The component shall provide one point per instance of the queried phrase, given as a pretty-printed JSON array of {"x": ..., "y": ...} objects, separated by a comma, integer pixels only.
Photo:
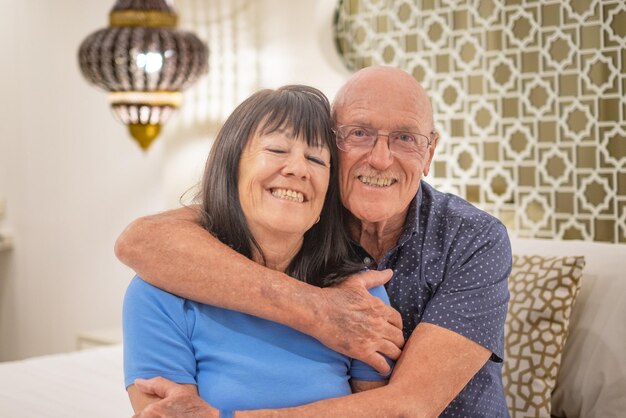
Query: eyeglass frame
[{"x": 339, "y": 138}]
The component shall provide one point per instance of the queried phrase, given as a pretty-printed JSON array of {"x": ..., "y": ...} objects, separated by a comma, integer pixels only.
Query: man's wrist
[
  {"x": 315, "y": 311},
  {"x": 303, "y": 307}
]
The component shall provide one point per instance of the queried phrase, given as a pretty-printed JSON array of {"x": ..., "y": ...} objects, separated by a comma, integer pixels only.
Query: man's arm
[
  {"x": 173, "y": 252},
  {"x": 434, "y": 367}
]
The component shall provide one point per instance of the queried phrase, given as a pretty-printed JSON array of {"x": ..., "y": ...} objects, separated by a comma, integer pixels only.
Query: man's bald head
[{"x": 375, "y": 83}]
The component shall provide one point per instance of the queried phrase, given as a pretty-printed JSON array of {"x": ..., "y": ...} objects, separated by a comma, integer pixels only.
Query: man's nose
[{"x": 380, "y": 156}]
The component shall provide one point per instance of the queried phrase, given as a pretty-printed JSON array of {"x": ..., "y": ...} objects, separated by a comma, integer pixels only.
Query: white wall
[
  {"x": 297, "y": 45},
  {"x": 71, "y": 177}
]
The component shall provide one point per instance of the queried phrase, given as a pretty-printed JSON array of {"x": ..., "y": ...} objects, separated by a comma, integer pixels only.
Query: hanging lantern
[{"x": 144, "y": 63}]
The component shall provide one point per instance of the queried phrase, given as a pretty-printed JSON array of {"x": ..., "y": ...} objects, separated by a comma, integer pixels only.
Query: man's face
[{"x": 376, "y": 185}]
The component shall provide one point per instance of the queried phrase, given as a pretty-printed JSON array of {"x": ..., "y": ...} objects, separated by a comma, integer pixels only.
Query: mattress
[{"x": 86, "y": 383}]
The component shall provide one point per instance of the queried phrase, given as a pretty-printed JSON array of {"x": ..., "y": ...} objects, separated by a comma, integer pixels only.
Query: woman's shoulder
[
  {"x": 144, "y": 301},
  {"x": 139, "y": 290}
]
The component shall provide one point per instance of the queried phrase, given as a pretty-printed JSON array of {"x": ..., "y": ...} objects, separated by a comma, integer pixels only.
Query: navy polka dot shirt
[{"x": 451, "y": 267}]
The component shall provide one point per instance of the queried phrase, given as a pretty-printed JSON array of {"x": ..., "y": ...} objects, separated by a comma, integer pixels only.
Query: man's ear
[{"x": 431, "y": 152}]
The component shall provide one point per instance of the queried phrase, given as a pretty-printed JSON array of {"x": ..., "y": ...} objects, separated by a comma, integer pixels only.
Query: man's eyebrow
[
  {"x": 402, "y": 128},
  {"x": 359, "y": 122},
  {"x": 413, "y": 128}
]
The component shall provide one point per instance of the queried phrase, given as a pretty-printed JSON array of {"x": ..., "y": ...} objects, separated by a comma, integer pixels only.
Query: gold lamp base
[{"x": 144, "y": 134}]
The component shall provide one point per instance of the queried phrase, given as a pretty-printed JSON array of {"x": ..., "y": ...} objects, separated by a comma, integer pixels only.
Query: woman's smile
[{"x": 288, "y": 194}]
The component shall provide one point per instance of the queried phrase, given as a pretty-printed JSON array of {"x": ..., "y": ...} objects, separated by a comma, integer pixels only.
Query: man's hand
[
  {"x": 358, "y": 324},
  {"x": 175, "y": 401}
]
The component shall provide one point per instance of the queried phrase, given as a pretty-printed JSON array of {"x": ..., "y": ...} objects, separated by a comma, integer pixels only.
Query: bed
[{"x": 87, "y": 383}]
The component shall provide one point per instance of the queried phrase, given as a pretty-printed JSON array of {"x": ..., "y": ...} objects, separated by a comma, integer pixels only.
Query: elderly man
[{"x": 451, "y": 263}]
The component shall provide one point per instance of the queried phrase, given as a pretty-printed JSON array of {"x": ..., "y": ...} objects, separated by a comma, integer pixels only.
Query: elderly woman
[{"x": 270, "y": 191}]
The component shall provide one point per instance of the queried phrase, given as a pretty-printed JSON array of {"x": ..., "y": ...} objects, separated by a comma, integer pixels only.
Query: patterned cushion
[{"x": 543, "y": 291}]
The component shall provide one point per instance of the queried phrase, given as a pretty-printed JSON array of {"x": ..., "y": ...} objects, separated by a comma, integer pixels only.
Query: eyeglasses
[{"x": 402, "y": 144}]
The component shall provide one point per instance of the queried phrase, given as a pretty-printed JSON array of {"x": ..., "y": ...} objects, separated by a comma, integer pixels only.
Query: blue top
[
  {"x": 237, "y": 361},
  {"x": 451, "y": 266}
]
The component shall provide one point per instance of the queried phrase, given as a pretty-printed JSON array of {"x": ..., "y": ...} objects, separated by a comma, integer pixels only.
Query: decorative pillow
[{"x": 543, "y": 290}]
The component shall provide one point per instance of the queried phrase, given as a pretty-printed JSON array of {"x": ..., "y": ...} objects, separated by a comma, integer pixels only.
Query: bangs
[{"x": 305, "y": 114}]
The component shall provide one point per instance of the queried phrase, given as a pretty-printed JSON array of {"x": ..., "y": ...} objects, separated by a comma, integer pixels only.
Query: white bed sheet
[{"x": 86, "y": 383}]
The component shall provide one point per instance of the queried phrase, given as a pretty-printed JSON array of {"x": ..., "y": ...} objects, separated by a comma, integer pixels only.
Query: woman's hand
[{"x": 174, "y": 400}]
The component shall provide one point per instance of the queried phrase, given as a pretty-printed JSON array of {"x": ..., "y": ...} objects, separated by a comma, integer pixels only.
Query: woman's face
[{"x": 282, "y": 183}]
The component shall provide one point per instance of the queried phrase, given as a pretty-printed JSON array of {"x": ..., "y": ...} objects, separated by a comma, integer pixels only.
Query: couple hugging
[{"x": 273, "y": 296}]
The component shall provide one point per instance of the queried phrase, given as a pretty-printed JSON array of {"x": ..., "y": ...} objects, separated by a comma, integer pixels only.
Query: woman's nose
[{"x": 296, "y": 165}]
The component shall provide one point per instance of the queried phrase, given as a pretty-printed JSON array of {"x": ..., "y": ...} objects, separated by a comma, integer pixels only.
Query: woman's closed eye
[
  {"x": 275, "y": 150},
  {"x": 317, "y": 160}
]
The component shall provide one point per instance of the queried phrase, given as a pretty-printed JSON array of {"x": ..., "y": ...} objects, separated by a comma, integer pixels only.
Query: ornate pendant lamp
[{"x": 144, "y": 63}]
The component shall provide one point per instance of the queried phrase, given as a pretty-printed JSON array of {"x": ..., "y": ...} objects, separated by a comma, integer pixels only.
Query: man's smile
[{"x": 377, "y": 181}]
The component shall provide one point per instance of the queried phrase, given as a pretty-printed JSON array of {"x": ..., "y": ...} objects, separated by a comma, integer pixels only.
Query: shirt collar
[{"x": 412, "y": 218}]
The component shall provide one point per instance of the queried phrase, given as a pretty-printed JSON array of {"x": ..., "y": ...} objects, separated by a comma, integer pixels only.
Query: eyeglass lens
[{"x": 400, "y": 142}]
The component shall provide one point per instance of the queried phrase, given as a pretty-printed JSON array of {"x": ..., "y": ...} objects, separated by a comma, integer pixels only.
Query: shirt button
[{"x": 367, "y": 261}]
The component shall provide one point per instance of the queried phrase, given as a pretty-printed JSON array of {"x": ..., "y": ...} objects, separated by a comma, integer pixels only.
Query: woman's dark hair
[{"x": 326, "y": 255}]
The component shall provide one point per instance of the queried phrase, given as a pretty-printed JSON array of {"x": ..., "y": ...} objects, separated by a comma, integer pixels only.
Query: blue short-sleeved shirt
[
  {"x": 451, "y": 267},
  {"x": 237, "y": 361}
]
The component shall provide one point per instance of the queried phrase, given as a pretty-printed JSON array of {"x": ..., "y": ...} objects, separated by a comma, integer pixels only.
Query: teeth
[
  {"x": 287, "y": 194},
  {"x": 376, "y": 181}
]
